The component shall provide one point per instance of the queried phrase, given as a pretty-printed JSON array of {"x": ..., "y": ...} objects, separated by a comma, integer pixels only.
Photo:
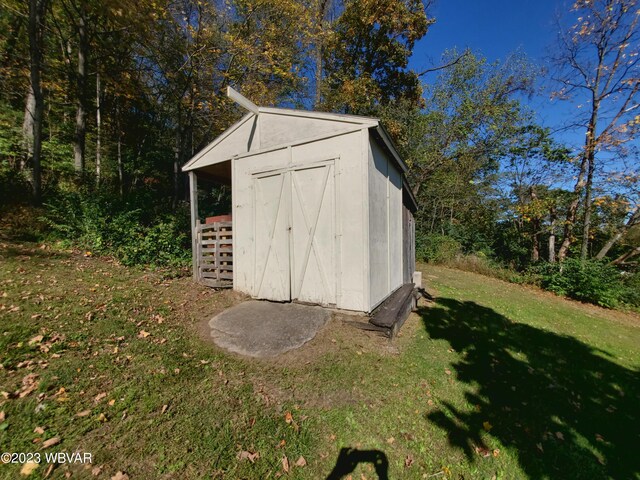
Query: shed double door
[{"x": 294, "y": 238}]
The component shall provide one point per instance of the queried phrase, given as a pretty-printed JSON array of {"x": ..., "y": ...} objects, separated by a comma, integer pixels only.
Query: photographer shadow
[{"x": 349, "y": 458}]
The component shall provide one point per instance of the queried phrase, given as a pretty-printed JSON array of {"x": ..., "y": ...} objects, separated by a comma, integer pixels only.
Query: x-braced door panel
[
  {"x": 272, "y": 270},
  {"x": 313, "y": 234},
  {"x": 295, "y": 234}
]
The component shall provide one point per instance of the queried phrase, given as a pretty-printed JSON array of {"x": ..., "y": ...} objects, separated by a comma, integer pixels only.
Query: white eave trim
[{"x": 392, "y": 148}]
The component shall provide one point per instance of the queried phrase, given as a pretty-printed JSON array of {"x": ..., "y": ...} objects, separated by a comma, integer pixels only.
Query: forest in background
[{"x": 101, "y": 103}]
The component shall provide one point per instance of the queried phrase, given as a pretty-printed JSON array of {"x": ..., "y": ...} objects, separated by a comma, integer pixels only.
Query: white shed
[{"x": 321, "y": 211}]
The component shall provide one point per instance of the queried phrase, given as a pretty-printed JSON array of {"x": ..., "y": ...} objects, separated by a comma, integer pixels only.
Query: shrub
[
  {"x": 138, "y": 231},
  {"x": 436, "y": 248},
  {"x": 631, "y": 293},
  {"x": 590, "y": 281}
]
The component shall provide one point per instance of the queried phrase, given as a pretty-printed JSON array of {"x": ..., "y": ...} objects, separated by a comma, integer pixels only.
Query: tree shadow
[
  {"x": 349, "y": 458},
  {"x": 565, "y": 407}
]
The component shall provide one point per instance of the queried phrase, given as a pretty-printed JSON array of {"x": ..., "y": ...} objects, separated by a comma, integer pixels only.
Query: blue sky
[{"x": 495, "y": 29}]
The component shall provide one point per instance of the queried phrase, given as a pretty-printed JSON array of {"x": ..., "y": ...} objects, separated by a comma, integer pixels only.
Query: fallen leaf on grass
[
  {"x": 487, "y": 426},
  {"x": 164, "y": 408},
  {"x": 49, "y": 470},
  {"x": 102, "y": 417},
  {"x": 482, "y": 451},
  {"x": 120, "y": 476},
  {"x": 28, "y": 468},
  {"x": 301, "y": 462},
  {"x": 496, "y": 452},
  {"x": 390, "y": 440},
  {"x": 2, "y": 416},
  {"x": 112, "y": 402},
  {"x": 245, "y": 455},
  {"x": 83, "y": 413},
  {"x": 559, "y": 435},
  {"x": 51, "y": 442},
  {"x": 539, "y": 447},
  {"x": 29, "y": 384},
  {"x": 99, "y": 397},
  {"x": 95, "y": 471},
  {"x": 408, "y": 461},
  {"x": 285, "y": 464},
  {"x": 36, "y": 339},
  {"x": 38, "y": 430},
  {"x": 288, "y": 417},
  {"x": 447, "y": 371},
  {"x": 282, "y": 443},
  {"x": 143, "y": 334}
]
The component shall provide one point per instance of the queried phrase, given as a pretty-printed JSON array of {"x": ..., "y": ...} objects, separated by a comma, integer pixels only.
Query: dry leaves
[
  {"x": 301, "y": 462},
  {"x": 143, "y": 334},
  {"x": 120, "y": 476},
  {"x": 285, "y": 464},
  {"x": 51, "y": 442},
  {"x": 29, "y": 384},
  {"x": 28, "y": 468},
  {"x": 487, "y": 426},
  {"x": 408, "y": 461},
  {"x": 246, "y": 455},
  {"x": 36, "y": 339},
  {"x": 100, "y": 397}
]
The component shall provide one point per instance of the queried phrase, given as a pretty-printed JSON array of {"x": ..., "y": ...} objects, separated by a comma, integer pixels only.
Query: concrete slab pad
[{"x": 266, "y": 329}]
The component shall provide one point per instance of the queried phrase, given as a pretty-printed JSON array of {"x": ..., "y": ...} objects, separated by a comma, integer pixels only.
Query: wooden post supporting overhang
[{"x": 195, "y": 221}]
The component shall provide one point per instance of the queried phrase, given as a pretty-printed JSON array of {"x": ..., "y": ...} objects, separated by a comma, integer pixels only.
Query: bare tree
[{"x": 598, "y": 68}]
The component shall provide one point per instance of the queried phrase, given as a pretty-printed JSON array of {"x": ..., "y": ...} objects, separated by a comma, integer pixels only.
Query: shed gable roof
[{"x": 279, "y": 127}]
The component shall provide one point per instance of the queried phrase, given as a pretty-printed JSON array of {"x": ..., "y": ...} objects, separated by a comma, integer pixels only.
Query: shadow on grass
[
  {"x": 567, "y": 410},
  {"x": 349, "y": 458}
]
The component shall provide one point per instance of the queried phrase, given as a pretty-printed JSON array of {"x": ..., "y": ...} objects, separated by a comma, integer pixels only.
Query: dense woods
[{"x": 101, "y": 103}]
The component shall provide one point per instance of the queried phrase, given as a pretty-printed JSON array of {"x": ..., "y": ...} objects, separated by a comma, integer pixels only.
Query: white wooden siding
[
  {"x": 385, "y": 225},
  {"x": 281, "y": 129},
  {"x": 317, "y": 188}
]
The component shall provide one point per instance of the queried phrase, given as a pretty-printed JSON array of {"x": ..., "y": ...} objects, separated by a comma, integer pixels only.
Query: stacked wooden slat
[{"x": 215, "y": 254}]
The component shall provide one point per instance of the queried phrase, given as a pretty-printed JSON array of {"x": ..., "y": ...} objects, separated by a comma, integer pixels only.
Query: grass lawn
[{"x": 492, "y": 380}]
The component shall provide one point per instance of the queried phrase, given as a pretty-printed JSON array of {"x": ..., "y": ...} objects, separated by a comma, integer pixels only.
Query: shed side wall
[{"x": 385, "y": 225}]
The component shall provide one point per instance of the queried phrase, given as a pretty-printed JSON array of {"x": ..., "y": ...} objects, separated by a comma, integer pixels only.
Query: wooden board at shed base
[{"x": 395, "y": 309}]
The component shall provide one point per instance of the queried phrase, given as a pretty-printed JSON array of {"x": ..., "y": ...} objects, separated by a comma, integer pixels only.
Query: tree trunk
[
  {"x": 176, "y": 168},
  {"x": 633, "y": 220},
  {"x": 321, "y": 14},
  {"x": 552, "y": 236},
  {"x": 585, "y": 167},
  {"x": 98, "y": 125},
  {"x": 120, "y": 167},
  {"x": 27, "y": 129},
  {"x": 36, "y": 32},
  {"x": 623, "y": 258},
  {"x": 81, "y": 86},
  {"x": 584, "y": 251}
]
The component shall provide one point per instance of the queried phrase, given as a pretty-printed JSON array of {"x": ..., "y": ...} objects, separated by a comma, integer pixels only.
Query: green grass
[{"x": 493, "y": 380}]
